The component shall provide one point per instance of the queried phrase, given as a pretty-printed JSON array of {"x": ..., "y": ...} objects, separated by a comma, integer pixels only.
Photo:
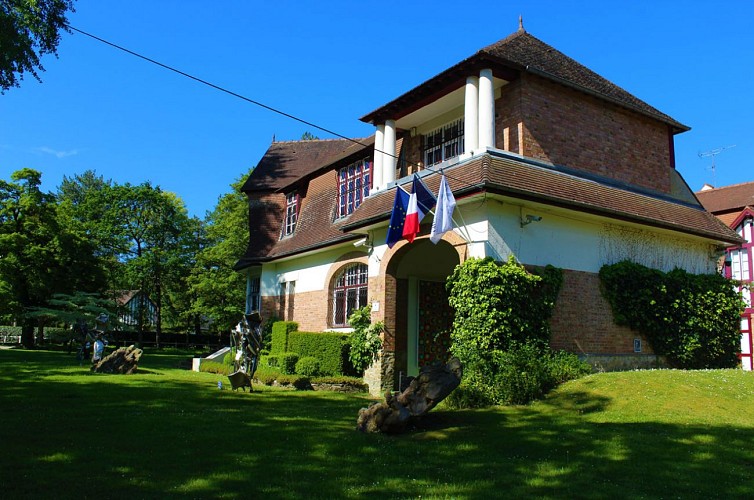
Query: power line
[{"x": 253, "y": 101}]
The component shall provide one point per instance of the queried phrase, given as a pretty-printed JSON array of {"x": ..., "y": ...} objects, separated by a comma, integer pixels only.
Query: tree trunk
[{"x": 27, "y": 335}]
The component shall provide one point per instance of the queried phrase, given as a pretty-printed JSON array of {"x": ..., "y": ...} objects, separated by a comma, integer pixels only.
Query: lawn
[{"x": 168, "y": 432}]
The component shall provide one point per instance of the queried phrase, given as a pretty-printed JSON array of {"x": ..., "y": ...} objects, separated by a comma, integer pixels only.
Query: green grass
[{"x": 170, "y": 433}]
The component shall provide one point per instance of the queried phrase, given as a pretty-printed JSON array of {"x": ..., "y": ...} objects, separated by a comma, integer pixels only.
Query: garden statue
[
  {"x": 247, "y": 337},
  {"x": 433, "y": 384}
]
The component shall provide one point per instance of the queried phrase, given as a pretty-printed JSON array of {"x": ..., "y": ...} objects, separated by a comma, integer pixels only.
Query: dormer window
[
  {"x": 443, "y": 143},
  {"x": 291, "y": 213},
  {"x": 353, "y": 186}
]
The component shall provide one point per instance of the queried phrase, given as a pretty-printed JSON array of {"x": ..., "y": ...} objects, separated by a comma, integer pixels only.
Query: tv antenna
[{"x": 712, "y": 153}]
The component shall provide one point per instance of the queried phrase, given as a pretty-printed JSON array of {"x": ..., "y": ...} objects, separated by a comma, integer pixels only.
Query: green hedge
[
  {"x": 327, "y": 347},
  {"x": 280, "y": 333}
]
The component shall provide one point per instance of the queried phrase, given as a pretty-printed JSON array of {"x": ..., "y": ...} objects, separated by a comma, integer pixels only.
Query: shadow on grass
[{"x": 178, "y": 436}]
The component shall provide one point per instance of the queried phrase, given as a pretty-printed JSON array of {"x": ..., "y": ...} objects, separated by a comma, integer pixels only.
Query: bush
[
  {"x": 327, "y": 347},
  {"x": 518, "y": 376},
  {"x": 287, "y": 362},
  {"x": 498, "y": 305},
  {"x": 365, "y": 341},
  {"x": 692, "y": 320},
  {"x": 280, "y": 331},
  {"x": 308, "y": 366},
  {"x": 215, "y": 367},
  {"x": 565, "y": 366}
]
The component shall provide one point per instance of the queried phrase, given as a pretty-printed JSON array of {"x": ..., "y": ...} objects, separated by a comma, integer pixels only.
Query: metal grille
[
  {"x": 350, "y": 293},
  {"x": 444, "y": 143}
]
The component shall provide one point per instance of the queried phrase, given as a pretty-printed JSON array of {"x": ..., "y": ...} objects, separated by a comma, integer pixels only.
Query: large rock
[
  {"x": 123, "y": 360},
  {"x": 433, "y": 384}
]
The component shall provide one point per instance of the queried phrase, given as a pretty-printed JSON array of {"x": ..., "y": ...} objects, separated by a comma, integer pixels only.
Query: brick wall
[
  {"x": 582, "y": 321},
  {"x": 566, "y": 127}
]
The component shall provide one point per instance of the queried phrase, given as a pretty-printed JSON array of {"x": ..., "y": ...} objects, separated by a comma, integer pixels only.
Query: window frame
[
  {"x": 292, "y": 205},
  {"x": 354, "y": 183},
  {"x": 350, "y": 283}
]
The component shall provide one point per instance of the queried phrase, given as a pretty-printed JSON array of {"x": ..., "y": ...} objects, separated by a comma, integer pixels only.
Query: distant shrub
[
  {"x": 308, "y": 366},
  {"x": 215, "y": 367},
  {"x": 327, "y": 347},
  {"x": 287, "y": 362},
  {"x": 280, "y": 331}
]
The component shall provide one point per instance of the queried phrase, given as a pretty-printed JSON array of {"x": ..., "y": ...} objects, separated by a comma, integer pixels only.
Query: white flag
[{"x": 446, "y": 203}]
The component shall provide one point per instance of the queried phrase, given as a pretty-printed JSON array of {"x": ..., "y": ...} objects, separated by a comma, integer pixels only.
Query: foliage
[
  {"x": 308, "y": 366},
  {"x": 40, "y": 255},
  {"x": 217, "y": 288},
  {"x": 327, "y": 347},
  {"x": 280, "y": 332},
  {"x": 284, "y": 361},
  {"x": 520, "y": 375},
  {"x": 353, "y": 382},
  {"x": 692, "y": 320},
  {"x": 215, "y": 367},
  {"x": 365, "y": 341},
  {"x": 514, "y": 307},
  {"x": 29, "y": 29}
]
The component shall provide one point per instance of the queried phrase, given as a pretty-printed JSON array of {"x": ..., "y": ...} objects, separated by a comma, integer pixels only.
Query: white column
[
  {"x": 471, "y": 115},
  {"x": 388, "y": 162},
  {"x": 486, "y": 110},
  {"x": 379, "y": 144}
]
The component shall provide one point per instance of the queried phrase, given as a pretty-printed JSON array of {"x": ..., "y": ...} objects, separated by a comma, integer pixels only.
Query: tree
[
  {"x": 218, "y": 289},
  {"x": 147, "y": 225},
  {"x": 29, "y": 29},
  {"x": 39, "y": 256}
]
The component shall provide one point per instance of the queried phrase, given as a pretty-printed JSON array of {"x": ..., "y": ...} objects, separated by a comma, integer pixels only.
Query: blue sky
[{"x": 331, "y": 63}]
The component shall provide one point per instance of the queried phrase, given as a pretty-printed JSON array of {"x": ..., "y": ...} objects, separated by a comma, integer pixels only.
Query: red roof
[{"x": 727, "y": 198}]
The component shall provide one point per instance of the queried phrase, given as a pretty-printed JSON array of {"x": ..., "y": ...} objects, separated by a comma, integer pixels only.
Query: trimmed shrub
[
  {"x": 280, "y": 332},
  {"x": 308, "y": 366},
  {"x": 215, "y": 367},
  {"x": 327, "y": 347},
  {"x": 287, "y": 362}
]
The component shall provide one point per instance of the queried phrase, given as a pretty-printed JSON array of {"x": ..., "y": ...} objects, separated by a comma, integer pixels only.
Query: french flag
[{"x": 420, "y": 202}]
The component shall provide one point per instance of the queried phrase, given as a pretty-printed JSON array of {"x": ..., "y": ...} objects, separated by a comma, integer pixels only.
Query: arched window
[{"x": 349, "y": 293}]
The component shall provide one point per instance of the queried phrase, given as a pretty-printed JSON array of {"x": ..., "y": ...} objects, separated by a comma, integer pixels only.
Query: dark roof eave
[
  {"x": 583, "y": 207},
  {"x": 245, "y": 263}
]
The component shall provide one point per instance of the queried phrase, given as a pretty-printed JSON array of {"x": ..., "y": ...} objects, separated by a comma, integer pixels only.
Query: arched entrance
[{"x": 423, "y": 318}]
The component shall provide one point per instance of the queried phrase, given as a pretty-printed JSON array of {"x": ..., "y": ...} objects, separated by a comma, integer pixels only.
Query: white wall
[{"x": 571, "y": 240}]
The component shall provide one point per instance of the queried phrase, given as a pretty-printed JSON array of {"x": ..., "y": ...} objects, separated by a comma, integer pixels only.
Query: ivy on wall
[{"x": 691, "y": 319}]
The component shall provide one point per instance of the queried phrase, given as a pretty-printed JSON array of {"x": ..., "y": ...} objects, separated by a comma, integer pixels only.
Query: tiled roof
[
  {"x": 285, "y": 163},
  {"x": 519, "y": 178},
  {"x": 524, "y": 52},
  {"x": 727, "y": 198}
]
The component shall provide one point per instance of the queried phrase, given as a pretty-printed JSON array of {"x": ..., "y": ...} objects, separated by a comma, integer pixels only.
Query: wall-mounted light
[{"x": 529, "y": 219}]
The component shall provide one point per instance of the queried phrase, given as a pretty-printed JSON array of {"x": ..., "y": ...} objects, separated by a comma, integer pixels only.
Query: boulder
[
  {"x": 433, "y": 384},
  {"x": 123, "y": 360}
]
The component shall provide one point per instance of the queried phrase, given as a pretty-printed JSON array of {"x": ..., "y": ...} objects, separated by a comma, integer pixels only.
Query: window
[
  {"x": 353, "y": 186},
  {"x": 291, "y": 213},
  {"x": 254, "y": 298},
  {"x": 349, "y": 293},
  {"x": 443, "y": 143}
]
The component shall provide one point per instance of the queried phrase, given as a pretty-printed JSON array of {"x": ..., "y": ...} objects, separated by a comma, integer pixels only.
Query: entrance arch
[{"x": 419, "y": 323}]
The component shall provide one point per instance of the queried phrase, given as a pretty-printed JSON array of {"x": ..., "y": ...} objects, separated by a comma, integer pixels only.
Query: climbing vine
[
  {"x": 365, "y": 341},
  {"x": 692, "y": 320},
  {"x": 497, "y": 305}
]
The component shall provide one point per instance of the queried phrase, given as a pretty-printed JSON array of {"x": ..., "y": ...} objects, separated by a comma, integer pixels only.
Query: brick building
[
  {"x": 734, "y": 206},
  {"x": 548, "y": 162}
]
